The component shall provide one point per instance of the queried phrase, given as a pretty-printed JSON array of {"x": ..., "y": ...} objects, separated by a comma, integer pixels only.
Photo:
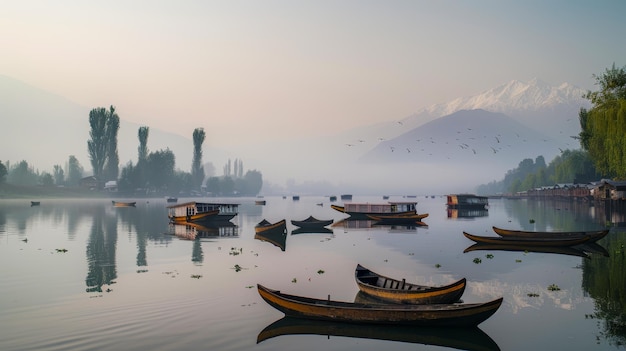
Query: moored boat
[
  {"x": 124, "y": 204},
  {"x": 433, "y": 315},
  {"x": 312, "y": 222},
  {"x": 526, "y": 241},
  {"x": 400, "y": 218},
  {"x": 392, "y": 290},
  {"x": 171, "y": 199},
  {"x": 362, "y": 210},
  {"x": 467, "y": 201},
  {"x": 593, "y": 235},
  {"x": 35, "y": 203},
  {"x": 274, "y": 233},
  {"x": 201, "y": 211}
]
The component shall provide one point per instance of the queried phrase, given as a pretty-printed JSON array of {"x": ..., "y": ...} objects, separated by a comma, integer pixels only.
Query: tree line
[
  {"x": 153, "y": 174},
  {"x": 602, "y": 139}
]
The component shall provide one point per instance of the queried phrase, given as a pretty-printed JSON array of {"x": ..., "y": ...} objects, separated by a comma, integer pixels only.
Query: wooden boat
[
  {"x": 201, "y": 211},
  {"x": 558, "y": 250},
  {"x": 35, "y": 203},
  {"x": 265, "y": 225},
  {"x": 527, "y": 241},
  {"x": 467, "y": 201},
  {"x": 346, "y": 197},
  {"x": 362, "y": 210},
  {"x": 436, "y": 315},
  {"x": 332, "y": 198},
  {"x": 123, "y": 204},
  {"x": 399, "y": 291},
  {"x": 274, "y": 233},
  {"x": 593, "y": 235},
  {"x": 260, "y": 202},
  {"x": 170, "y": 199},
  {"x": 312, "y": 222},
  {"x": 393, "y": 218},
  {"x": 471, "y": 339}
]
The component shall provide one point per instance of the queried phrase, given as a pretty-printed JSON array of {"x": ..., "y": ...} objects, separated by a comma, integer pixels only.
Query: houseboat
[
  {"x": 362, "y": 210},
  {"x": 466, "y": 201},
  {"x": 201, "y": 212}
]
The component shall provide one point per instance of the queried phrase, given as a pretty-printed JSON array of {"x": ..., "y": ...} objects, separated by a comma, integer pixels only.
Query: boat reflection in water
[
  {"x": 275, "y": 233},
  {"x": 457, "y": 338},
  {"x": 322, "y": 230},
  {"x": 193, "y": 231},
  {"x": 584, "y": 250},
  {"x": 467, "y": 212}
]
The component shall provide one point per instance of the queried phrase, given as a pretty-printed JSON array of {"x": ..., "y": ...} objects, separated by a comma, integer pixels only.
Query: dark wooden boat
[
  {"x": 593, "y": 235},
  {"x": 171, "y": 199},
  {"x": 527, "y": 241},
  {"x": 467, "y": 201},
  {"x": 265, "y": 225},
  {"x": 312, "y": 222},
  {"x": 274, "y": 233},
  {"x": 123, "y": 204},
  {"x": 470, "y": 339},
  {"x": 559, "y": 250},
  {"x": 35, "y": 203},
  {"x": 392, "y": 290},
  {"x": 400, "y": 218},
  {"x": 437, "y": 315}
]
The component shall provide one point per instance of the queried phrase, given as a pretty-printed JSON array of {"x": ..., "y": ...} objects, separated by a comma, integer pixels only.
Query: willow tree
[
  {"x": 197, "y": 171},
  {"x": 603, "y": 126}
]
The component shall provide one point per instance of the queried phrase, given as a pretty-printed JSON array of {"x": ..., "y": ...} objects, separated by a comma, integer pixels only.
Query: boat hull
[
  {"x": 197, "y": 218},
  {"x": 449, "y": 315},
  {"x": 391, "y": 290},
  {"x": 526, "y": 241},
  {"x": 593, "y": 235}
]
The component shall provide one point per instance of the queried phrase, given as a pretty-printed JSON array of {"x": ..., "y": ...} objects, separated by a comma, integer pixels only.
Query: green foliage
[
  {"x": 603, "y": 127},
  {"x": 46, "y": 179},
  {"x": 197, "y": 171},
  {"x": 74, "y": 171},
  {"x": 59, "y": 175},
  {"x": 3, "y": 172},
  {"x": 102, "y": 145},
  {"x": 22, "y": 174}
]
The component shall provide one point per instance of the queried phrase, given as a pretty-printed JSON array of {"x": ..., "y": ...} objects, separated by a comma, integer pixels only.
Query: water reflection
[
  {"x": 193, "y": 231},
  {"x": 101, "y": 249},
  {"x": 604, "y": 280},
  {"x": 466, "y": 213},
  {"x": 560, "y": 250},
  {"x": 456, "y": 338},
  {"x": 275, "y": 236}
]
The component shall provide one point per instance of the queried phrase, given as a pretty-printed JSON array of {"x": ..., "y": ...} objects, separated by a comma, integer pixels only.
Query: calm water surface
[{"x": 83, "y": 275}]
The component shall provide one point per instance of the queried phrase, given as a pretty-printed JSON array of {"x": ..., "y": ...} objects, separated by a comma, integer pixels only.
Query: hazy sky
[{"x": 274, "y": 68}]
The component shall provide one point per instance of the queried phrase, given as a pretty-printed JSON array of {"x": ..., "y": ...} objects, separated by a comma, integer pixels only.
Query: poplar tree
[{"x": 197, "y": 171}]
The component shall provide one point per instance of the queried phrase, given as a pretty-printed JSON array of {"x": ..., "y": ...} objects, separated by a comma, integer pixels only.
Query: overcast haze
[{"x": 288, "y": 69}]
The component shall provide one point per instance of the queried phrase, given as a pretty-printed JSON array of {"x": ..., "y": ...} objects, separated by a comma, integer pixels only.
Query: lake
[{"x": 80, "y": 274}]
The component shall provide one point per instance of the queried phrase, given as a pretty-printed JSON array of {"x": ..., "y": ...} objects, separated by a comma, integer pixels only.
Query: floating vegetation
[
  {"x": 61, "y": 250},
  {"x": 142, "y": 271},
  {"x": 237, "y": 268},
  {"x": 532, "y": 295},
  {"x": 437, "y": 265},
  {"x": 553, "y": 287},
  {"x": 235, "y": 251},
  {"x": 518, "y": 261},
  {"x": 489, "y": 256},
  {"x": 531, "y": 221},
  {"x": 477, "y": 260},
  {"x": 294, "y": 280},
  {"x": 321, "y": 271},
  {"x": 196, "y": 276},
  {"x": 249, "y": 286}
]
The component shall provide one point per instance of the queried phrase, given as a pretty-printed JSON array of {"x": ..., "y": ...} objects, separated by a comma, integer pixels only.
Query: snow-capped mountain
[{"x": 512, "y": 98}]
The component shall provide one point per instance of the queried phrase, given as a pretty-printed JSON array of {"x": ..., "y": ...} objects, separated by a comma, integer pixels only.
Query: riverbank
[{"x": 10, "y": 191}]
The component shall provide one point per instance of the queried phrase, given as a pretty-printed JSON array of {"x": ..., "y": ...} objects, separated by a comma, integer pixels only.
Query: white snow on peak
[{"x": 514, "y": 96}]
